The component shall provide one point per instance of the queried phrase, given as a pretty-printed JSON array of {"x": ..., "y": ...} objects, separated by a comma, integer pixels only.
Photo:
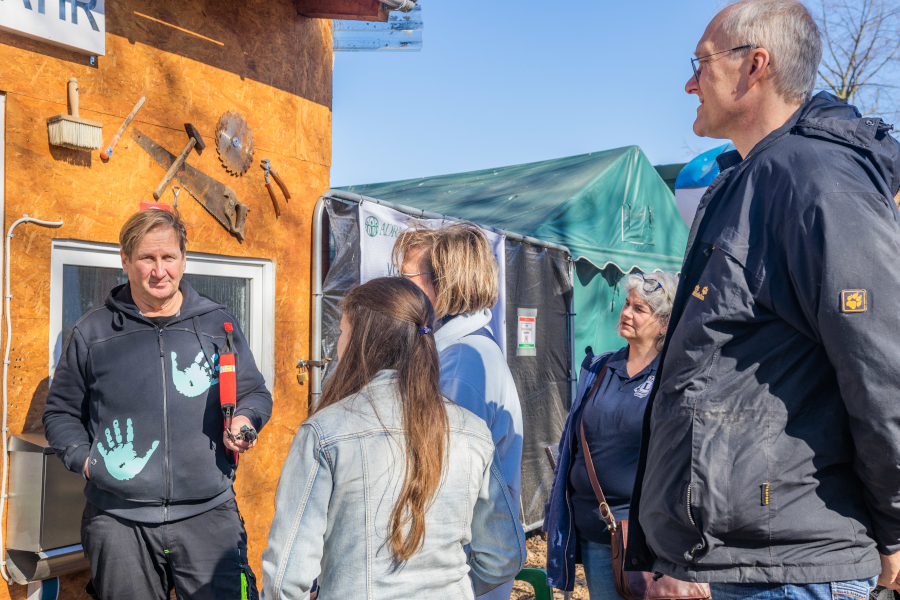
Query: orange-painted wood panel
[{"x": 193, "y": 61}]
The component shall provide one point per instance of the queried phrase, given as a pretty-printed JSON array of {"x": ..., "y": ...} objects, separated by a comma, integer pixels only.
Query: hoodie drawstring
[{"x": 196, "y": 322}]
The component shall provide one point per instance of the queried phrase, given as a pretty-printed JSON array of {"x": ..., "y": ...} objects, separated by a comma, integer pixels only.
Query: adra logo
[{"x": 372, "y": 226}]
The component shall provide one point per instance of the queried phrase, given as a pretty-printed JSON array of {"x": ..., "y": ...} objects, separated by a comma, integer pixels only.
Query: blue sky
[{"x": 504, "y": 82}]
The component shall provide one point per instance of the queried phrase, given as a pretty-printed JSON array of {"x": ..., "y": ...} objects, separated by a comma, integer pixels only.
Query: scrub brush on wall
[{"x": 71, "y": 131}]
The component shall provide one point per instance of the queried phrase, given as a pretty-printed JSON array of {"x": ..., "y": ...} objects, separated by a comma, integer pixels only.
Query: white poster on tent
[{"x": 380, "y": 226}]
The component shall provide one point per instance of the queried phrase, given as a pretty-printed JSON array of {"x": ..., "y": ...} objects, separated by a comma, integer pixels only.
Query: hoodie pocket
[{"x": 126, "y": 460}]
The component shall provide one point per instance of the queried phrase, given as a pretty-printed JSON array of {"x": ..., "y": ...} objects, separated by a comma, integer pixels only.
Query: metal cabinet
[{"x": 46, "y": 502}]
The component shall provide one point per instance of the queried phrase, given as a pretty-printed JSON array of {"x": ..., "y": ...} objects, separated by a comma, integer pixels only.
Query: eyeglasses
[
  {"x": 650, "y": 285},
  {"x": 696, "y": 61}
]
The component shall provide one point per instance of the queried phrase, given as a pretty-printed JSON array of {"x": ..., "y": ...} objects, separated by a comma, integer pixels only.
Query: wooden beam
[{"x": 351, "y": 10}]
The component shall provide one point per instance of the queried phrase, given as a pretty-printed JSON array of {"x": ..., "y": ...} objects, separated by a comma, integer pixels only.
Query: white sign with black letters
[
  {"x": 379, "y": 227},
  {"x": 78, "y": 25}
]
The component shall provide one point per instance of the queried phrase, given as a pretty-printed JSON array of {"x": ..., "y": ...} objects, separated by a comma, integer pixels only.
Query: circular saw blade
[{"x": 234, "y": 143}]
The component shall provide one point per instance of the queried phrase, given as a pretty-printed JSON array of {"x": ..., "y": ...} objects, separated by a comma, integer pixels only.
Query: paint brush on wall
[{"x": 71, "y": 131}]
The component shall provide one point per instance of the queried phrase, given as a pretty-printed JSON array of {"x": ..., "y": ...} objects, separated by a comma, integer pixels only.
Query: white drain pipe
[{"x": 5, "y": 430}]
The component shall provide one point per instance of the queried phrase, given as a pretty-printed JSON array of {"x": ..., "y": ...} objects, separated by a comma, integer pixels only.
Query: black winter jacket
[
  {"x": 771, "y": 447},
  {"x": 143, "y": 404}
]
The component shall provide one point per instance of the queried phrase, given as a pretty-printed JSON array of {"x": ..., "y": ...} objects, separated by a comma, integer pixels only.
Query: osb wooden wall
[{"x": 193, "y": 61}]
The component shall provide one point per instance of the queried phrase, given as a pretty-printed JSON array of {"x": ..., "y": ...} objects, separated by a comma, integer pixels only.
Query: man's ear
[
  {"x": 759, "y": 63},
  {"x": 124, "y": 260}
]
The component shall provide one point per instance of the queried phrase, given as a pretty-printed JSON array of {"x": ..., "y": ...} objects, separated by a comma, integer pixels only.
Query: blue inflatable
[{"x": 701, "y": 171}]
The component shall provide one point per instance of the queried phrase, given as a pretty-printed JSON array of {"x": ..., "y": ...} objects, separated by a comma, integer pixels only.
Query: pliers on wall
[{"x": 267, "y": 167}]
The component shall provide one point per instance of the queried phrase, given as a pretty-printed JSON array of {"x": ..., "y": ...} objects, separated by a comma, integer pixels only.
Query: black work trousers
[{"x": 202, "y": 557}]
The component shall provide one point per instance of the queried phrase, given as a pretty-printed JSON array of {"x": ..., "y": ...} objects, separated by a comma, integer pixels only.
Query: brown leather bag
[{"x": 633, "y": 585}]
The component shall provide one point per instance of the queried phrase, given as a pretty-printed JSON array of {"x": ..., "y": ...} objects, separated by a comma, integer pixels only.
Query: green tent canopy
[{"x": 611, "y": 209}]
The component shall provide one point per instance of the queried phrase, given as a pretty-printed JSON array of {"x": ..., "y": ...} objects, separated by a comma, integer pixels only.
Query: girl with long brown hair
[{"x": 387, "y": 481}]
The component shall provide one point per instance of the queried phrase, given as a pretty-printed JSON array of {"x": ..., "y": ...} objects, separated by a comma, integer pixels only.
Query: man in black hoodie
[
  {"x": 770, "y": 464},
  {"x": 134, "y": 406}
]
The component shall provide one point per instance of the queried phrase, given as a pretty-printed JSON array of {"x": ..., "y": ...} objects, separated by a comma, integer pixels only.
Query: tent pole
[
  {"x": 573, "y": 373},
  {"x": 315, "y": 351}
]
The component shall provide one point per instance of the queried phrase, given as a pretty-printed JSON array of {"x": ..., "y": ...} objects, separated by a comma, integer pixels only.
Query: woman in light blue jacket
[
  {"x": 387, "y": 481},
  {"x": 456, "y": 268}
]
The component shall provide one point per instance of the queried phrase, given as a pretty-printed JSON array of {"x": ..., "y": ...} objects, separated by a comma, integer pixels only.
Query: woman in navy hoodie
[{"x": 612, "y": 414}]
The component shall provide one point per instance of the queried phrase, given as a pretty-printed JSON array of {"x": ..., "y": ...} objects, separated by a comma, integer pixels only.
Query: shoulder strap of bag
[{"x": 605, "y": 512}]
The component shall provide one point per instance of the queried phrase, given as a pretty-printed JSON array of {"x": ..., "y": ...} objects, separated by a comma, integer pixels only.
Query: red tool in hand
[{"x": 228, "y": 384}]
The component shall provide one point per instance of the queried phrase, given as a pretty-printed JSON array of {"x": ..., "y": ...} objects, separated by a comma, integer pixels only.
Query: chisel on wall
[{"x": 107, "y": 154}]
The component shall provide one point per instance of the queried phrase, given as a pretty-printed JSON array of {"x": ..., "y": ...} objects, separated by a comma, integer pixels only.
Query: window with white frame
[{"x": 83, "y": 273}]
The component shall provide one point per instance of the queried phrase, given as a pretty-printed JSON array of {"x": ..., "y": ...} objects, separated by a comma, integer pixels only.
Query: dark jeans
[{"x": 202, "y": 557}]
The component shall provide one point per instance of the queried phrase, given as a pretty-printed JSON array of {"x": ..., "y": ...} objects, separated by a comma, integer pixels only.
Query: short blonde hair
[
  {"x": 463, "y": 269},
  {"x": 141, "y": 223}
]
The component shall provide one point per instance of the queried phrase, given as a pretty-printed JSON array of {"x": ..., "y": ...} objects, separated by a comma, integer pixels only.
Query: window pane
[
  {"x": 233, "y": 292},
  {"x": 86, "y": 288}
]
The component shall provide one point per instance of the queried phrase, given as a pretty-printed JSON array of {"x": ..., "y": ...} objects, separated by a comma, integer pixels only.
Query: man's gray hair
[
  {"x": 788, "y": 31},
  {"x": 660, "y": 299}
]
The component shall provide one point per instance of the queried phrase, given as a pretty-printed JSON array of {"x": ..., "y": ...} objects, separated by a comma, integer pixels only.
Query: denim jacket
[{"x": 339, "y": 485}]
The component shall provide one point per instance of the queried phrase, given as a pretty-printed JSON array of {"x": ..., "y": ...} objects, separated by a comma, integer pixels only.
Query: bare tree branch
[{"x": 862, "y": 51}]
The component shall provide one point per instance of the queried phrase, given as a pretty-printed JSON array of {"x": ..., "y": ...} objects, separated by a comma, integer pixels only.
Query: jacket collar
[
  {"x": 461, "y": 326},
  {"x": 383, "y": 377},
  {"x": 618, "y": 362},
  {"x": 729, "y": 159},
  {"x": 193, "y": 304},
  {"x": 823, "y": 116}
]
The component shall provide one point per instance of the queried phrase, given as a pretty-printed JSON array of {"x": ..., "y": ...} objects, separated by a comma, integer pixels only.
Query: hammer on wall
[{"x": 194, "y": 141}]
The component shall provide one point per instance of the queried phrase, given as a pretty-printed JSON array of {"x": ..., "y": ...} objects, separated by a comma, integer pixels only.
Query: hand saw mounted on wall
[{"x": 219, "y": 199}]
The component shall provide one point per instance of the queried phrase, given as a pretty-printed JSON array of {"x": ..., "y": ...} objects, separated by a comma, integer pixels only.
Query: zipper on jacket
[
  {"x": 162, "y": 362},
  {"x": 569, "y": 535},
  {"x": 690, "y": 555},
  {"x": 689, "y": 513}
]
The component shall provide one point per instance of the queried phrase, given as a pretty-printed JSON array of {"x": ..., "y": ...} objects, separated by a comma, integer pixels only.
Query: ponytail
[{"x": 391, "y": 322}]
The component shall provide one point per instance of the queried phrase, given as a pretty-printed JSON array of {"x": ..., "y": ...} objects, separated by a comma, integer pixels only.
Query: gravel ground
[{"x": 537, "y": 558}]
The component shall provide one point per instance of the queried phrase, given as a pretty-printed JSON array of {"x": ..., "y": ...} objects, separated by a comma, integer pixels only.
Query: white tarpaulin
[
  {"x": 380, "y": 226},
  {"x": 687, "y": 200}
]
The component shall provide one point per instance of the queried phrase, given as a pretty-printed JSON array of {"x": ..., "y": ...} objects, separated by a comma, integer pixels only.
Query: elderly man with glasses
[{"x": 771, "y": 449}]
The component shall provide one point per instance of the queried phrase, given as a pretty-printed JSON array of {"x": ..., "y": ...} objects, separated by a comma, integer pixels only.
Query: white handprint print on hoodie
[{"x": 197, "y": 378}]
